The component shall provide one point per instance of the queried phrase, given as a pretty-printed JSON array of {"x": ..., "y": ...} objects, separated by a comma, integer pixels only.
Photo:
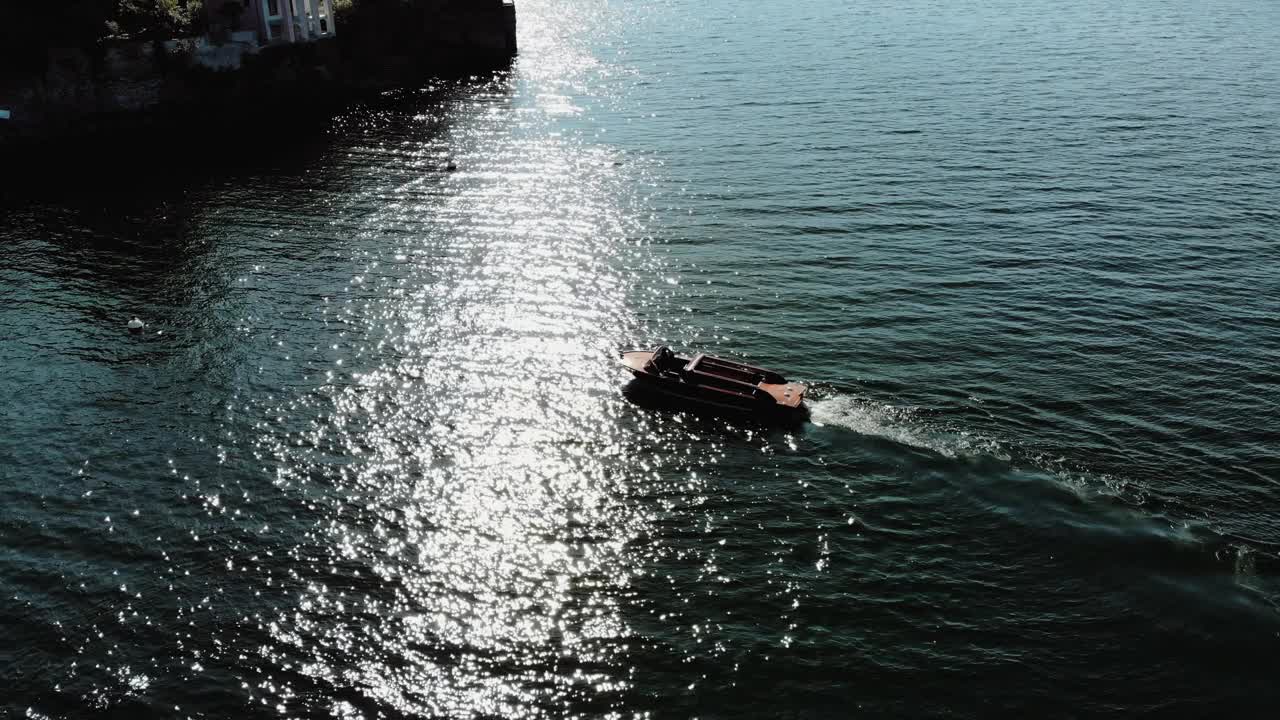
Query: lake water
[{"x": 369, "y": 458}]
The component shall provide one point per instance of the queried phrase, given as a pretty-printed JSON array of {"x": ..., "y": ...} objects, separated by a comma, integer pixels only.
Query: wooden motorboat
[{"x": 714, "y": 384}]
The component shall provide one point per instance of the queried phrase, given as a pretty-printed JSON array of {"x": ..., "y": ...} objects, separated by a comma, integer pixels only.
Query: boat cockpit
[{"x": 665, "y": 361}]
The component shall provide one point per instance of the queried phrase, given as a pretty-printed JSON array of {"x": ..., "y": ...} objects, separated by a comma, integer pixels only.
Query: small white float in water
[{"x": 135, "y": 325}]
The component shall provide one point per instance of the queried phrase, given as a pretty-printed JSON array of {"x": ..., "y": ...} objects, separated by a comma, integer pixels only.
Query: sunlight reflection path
[{"x": 472, "y": 469}]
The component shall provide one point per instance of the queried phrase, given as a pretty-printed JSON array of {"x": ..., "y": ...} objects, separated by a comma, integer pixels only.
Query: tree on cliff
[
  {"x": 157, "y": 18},
  {"x": 29, "y": 29}
]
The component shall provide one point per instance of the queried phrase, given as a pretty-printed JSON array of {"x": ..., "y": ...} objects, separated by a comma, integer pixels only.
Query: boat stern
[{"x": 787, "y": 395}]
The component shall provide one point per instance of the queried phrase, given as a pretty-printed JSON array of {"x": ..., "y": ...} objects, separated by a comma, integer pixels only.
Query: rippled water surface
[{"x": 369, "y": 459}]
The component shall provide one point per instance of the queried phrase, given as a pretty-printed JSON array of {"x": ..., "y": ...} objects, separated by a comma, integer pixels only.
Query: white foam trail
[{"x": 898, "y": 424}]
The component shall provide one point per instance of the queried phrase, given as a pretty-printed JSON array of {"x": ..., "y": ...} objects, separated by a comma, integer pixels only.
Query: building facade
[{"x": 272, "y": 21}]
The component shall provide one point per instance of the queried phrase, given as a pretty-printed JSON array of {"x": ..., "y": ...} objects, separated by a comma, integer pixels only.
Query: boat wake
[
  {"x": 1063, "y": 496},
  {"x": 899, "y": 424}
]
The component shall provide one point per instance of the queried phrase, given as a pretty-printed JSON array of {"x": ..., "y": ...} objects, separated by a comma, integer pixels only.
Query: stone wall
[{"x": 81, "y": 90}]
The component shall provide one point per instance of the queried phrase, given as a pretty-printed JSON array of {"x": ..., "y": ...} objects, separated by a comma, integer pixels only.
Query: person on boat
[{"x": 664, "y": 359}]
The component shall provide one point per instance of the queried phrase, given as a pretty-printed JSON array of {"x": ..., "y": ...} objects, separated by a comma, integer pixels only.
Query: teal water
[{"x": 370, "y": 458}]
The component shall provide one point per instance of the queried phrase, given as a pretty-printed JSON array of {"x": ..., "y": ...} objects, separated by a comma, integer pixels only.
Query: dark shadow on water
[
  {"x": 138, "y": 210},
  {"x": 178, "y": 152}
]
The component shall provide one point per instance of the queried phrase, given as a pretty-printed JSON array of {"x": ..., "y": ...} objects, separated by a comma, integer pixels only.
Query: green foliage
[
  {"x": 183, "y": 18},
  {"x": 343, "y": 11},
  {"x": 31, "y": 26},
  {"x": 157, "y": 18}
]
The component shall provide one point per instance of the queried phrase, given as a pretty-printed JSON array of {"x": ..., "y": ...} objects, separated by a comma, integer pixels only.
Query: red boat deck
[{"x": 737, "y": 383}]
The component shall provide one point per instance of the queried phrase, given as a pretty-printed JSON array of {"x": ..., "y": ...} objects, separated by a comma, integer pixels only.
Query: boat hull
[{"x": 650, "y": 394}]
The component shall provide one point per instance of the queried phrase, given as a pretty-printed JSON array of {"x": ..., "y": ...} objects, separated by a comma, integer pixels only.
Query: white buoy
[{"x": 135, "y": 325}]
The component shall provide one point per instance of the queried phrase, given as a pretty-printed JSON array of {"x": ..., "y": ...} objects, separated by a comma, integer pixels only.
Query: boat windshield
[{"x": 662, "y": 358}]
